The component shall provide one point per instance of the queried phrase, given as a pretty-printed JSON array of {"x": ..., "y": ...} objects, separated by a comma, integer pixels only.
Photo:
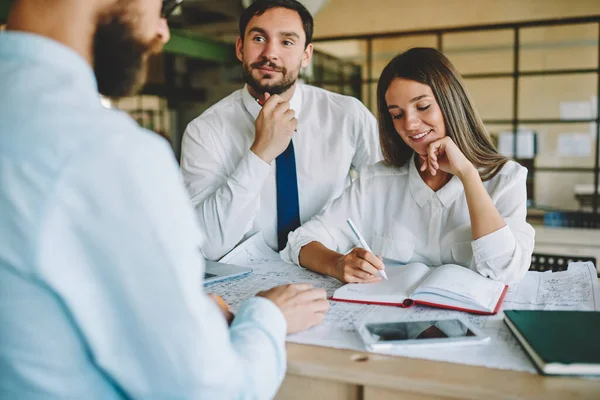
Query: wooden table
[{"x": 316, "y": 373}]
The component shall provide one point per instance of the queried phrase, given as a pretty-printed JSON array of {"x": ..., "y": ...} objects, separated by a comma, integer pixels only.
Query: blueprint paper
[
  {"x": 575, "y": 289},
  {"x": 252, "y": 251}
]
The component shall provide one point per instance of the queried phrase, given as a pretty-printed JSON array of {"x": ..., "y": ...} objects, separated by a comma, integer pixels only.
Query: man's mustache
[{"x": 267, "y": 63}]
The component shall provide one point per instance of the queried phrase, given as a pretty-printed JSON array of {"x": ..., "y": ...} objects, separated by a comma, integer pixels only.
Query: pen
[
  {"x": 363, "y": 243},
  {"x": 260, "y": 103}
]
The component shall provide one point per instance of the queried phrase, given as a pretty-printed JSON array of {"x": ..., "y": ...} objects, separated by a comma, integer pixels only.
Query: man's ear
[
  {"x": 239, "y": 48},
  {"x": 307, "y": 56}
]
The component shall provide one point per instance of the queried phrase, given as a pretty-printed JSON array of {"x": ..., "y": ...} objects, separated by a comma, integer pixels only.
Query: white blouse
[{"x": 403, "y": 219}]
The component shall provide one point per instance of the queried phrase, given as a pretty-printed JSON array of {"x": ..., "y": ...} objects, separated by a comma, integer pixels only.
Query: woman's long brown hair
[{"x": 463, "y": 125}]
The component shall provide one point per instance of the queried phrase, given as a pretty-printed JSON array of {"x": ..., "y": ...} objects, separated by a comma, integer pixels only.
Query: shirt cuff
[
  {"x": 251, "y": 173},
  {"x": 291, "y": 252},
  {"x": 265, "y": 313},
  {"x": 493, "y": 245}
]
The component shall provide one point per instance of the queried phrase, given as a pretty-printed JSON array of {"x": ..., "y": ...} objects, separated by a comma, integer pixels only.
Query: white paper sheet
[
  {"x": 269, "y": 270},
  {"x": 576, "y": 109},
  {"x": 265, "y": 276},
  {"x": 575, "y": 289},
  {"x": 526, "y": 147},
  {"x": 574, "y": 145},
  {"x": 252, "y": 251}
]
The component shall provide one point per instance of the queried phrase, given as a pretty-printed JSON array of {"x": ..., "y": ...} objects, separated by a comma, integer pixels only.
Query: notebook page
[
  {"x": 402, "y": 279},
  {"x": 463, "y": 285}
]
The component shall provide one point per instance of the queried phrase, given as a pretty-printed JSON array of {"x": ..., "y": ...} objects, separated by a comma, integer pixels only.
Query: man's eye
[
  {"x": 288, "y": 43},
  {"x": 258, "y": 39}
]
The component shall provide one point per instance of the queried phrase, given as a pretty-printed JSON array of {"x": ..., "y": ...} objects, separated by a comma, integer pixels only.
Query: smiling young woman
[
  {"x": 429, "y": 72},
  {"x": 443, "y": 194}
]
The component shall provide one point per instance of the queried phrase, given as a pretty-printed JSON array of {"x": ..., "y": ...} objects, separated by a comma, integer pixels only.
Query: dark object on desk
[
  {"x": 558, "y": 342},
  {"x": 572, "y": 219},
  {"x": 554, "y": 262}
]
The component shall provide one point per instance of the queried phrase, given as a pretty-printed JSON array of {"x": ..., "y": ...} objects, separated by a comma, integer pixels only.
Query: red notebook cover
[{"x": 408, "y": 303}]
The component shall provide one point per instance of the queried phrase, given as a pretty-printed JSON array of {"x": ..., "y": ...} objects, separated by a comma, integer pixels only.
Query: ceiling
[
  {"x": 219, "y": 19},
  {"x": 203, "y": 29}
]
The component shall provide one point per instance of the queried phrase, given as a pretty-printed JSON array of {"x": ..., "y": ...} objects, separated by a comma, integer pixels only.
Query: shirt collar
[
  {"x": 422, "y": 193},
  {"x": 450, "y": 191},
  {"x": 254, "y": 108},
  {"x": 42, "y": 50},
  {"x": 419, "y": 190}
]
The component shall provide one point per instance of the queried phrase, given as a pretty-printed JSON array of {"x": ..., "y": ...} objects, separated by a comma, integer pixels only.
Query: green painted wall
[
  {"x": 181, "y": 43},
  {"x": 195, "y": 46}
]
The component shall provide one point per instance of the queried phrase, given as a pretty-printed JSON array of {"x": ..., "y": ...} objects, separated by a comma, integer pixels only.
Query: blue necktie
[{"x": 288, "y": 208}]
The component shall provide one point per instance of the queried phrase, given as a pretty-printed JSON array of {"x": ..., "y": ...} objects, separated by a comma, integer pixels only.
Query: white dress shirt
[
  {"x": 403, "y": 219},
  {"x": 234, "y": 191},
  {"x": 101, "y": 292}
]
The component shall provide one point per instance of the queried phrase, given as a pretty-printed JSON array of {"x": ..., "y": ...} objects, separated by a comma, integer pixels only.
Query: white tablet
[
  {"x": 386, "y": 335},
  {"x": 217, "y": 272}
]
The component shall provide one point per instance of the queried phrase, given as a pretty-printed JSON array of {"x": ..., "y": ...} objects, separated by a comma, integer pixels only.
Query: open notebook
[{"x": 448, "y": 286}]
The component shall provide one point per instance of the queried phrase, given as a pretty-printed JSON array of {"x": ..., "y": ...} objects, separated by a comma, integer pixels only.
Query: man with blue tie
[
  {"x": 273, "y": 154},
  {"x": 101, "y": 293}
]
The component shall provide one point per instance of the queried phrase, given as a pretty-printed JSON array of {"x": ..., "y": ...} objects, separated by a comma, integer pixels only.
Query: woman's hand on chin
[{"x": 444, "y": 155}]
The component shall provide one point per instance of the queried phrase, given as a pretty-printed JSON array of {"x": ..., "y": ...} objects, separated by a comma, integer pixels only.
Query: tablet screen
[{"x": 418, "y": 330}]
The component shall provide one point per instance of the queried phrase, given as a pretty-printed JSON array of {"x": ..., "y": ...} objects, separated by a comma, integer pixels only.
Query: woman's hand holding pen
[
  {"x": 358, "y": 266},
  {"x": 274, "y": 128},
  {"x": 444, "y": 155}
]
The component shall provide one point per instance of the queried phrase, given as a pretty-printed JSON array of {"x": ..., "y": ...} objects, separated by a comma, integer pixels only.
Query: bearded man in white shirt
[{"x": 230, "y": 152}]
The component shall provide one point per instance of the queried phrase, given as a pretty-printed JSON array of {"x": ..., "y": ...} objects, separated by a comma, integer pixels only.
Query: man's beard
[
  {"x": 119, "y": 58},
  {"x": 288, "y": 80}
]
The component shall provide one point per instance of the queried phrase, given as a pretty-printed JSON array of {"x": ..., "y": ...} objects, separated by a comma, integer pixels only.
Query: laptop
[{"x": 217, "y": 272}]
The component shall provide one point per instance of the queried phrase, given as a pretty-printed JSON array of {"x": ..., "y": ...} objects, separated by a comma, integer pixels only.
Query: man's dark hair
[{"x": 260, "y": 6}]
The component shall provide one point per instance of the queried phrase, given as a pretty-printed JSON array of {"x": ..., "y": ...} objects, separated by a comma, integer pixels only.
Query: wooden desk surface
[{"x": 332, "y": 374}]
